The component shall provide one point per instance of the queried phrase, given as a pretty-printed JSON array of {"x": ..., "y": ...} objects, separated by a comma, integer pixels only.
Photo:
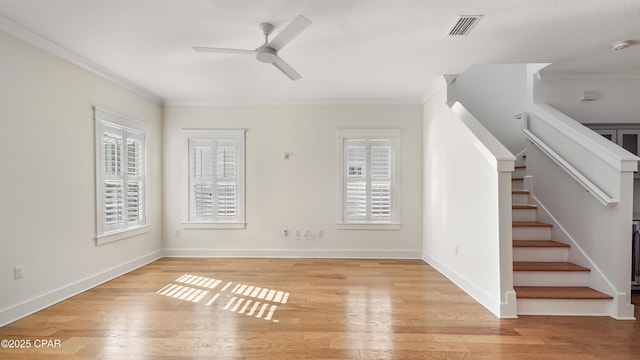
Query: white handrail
[
  {"x": 490, "y": 147},
  {"x": 592, "y": 188},
  {"x": 614, "y": 155}
]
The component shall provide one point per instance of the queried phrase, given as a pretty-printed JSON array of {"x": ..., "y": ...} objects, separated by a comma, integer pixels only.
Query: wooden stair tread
[
  {"x": 559, "y": 292},
  {"x": 547, "y": 266},
  {"x": 520, "y": 191},
  {"x": 539, "y": 244},
  {"x": 523, "y": 207},
  {"x": 520, "y": 167},
  {"x": 517, "y": 178},
  {"x": 530, "y": 224}
]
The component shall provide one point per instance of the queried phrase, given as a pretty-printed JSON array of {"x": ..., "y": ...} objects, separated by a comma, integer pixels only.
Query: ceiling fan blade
[
  {"x": 223, "y": 50},
  {"x": 286, "y": 69},
  {"x": 295, "y": 27}
]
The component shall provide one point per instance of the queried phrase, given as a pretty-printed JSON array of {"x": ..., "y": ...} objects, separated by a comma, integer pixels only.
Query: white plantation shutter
[
  {"x": 201, "y": 180},
  {"x": 120, "y": 173},
  {"x": 356, "y": 200},
  {"x": 112, "y": 156},
  {"x": 380, "y": 182},
  {"x": 112, "y": 151},
  {"x": 368, "y": 176},
  {"x": 135, "y": 178},
  {"x": 113, "y": 207},
  {"x": 356, "y": 184},
  {"x": 215, "y": 176},
  {"x": 226, "y": 180}
]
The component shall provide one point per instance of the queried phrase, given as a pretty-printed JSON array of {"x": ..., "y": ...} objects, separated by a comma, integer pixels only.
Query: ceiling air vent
[{"x": 464, "y": 24}]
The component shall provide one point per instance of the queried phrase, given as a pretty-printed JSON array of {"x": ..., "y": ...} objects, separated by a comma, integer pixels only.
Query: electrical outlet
[
  {"x": 297, "y": 232},
  {"x": 285, "y": 232},
  {"x": 320, "y": 233},
  {"x": 177, "y": 233},
  {"x": 17, "y": 272},
  {"x": 307, "y": 234},
  {"x": 455, "y": 249}
]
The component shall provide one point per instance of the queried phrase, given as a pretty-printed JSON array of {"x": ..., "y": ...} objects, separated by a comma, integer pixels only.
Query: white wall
[
  {"x": 48, "y": 182},
  {"x": 618, "y": 103},
  {"x": 494, "y": 93},
  {"x": 619, "y": 100},
  {"x": 299, "y": 193},
  {"x": 461, "y": 221}
]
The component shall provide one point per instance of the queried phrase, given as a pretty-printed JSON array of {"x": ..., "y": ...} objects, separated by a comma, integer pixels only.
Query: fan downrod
[{"x": 266, "y": 28}]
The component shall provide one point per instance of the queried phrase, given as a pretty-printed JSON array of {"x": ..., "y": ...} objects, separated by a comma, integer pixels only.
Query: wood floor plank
[{"x": 302, "y": 309}]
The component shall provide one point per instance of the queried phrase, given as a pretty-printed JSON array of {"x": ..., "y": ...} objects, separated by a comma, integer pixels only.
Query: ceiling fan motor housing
[{"x": 266, "y": 54}]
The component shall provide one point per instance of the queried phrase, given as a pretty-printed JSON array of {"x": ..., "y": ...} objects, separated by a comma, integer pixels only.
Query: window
[
  {"x": 368, "y": 178},
  {"x": 121, "y": 176},
  {"x": 214, "y": 179}
]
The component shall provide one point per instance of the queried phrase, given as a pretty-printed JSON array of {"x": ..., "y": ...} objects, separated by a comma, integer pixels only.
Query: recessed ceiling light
[{"x": 620, "y": 45}]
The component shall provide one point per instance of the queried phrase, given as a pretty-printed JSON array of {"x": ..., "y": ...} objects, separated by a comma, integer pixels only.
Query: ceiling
[{"x": 355, "y": 50}]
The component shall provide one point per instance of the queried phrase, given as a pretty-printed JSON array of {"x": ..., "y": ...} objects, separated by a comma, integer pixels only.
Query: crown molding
[
  {"x": 13, "y": 28},
  {"x": 295, "y": 102},
  {"x": 588, "y": 75}
]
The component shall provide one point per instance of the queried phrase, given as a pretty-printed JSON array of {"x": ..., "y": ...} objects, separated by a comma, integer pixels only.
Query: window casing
[
  {"x": 121, "y": 176},
  {"x": 214, "y": 178},
  {"x": 368, "y": 178}
]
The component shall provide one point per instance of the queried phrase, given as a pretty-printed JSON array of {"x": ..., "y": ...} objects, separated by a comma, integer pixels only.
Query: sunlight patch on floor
[{"x": 244, "y": 299}]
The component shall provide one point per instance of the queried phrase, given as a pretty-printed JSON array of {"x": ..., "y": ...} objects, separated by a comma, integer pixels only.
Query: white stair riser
[
  {"x": 540, "y": 254},
  {"x": 518, "y": 173},
  {"x": 520, "y": 198},
  {"x": 560, "y": 307},
  {"x": 531, "y": 233},
  {"x": 521, "y": 215},
  {"x": 550, "y": 278}
]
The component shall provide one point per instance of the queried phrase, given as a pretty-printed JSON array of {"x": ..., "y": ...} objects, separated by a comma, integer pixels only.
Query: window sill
[
  {"x": 367, "y": 226},
  {"x": 221, "y": 226},
  {"x": 120, "y": 235}
]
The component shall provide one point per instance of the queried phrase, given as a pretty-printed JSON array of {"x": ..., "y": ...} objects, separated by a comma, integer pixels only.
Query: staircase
[{"x": 544, "y": 281}]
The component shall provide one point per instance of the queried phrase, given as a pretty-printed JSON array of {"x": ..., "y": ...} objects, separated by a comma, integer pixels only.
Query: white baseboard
[
  {"x": 28, "y": 307},
  {"x": 294, "y": 253},
  {"x": 509, "y": 309},
  {"x": 479, "y": 295}
]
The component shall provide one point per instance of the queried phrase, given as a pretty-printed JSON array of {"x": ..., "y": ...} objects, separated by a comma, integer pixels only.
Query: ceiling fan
[{"x": 268, "y": 52}]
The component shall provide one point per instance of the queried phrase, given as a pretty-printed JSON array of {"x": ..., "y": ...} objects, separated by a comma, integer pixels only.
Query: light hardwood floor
[{"x": 302, "y": 309}]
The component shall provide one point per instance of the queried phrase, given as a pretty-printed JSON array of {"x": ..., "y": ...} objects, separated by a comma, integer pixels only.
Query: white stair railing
[{"x": 587, "y": 184}]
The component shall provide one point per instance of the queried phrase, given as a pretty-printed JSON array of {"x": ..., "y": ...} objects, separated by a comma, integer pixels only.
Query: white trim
[
  {"x": 11, "y": 27},
  {"x": 295, "y": 102},
  {"x": 105, "y": 118},
  {"x": 485, "y": 299},
  {"x": 608, "y": 151},
  {"x": 588, "y": 75},
  {"x": 123, "y": 234},
  {"x": 509, "y": 309},
  {"x": 491, "y": 148},
  {"x": 120, "y": 119},
  {"x": 367, "y": 226},
  {"x": 368, "y": 134},
  {"x": 39, "y": 302},
  {"x": 188, "y": 225},
  {"x": 214, "y": 134},
  {"x": 295, "y": 253},
  {"x": 587, "y": 184}
]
